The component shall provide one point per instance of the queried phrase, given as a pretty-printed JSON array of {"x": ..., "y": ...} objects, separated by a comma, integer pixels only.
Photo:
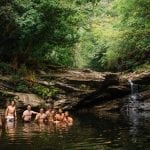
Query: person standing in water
[
  {"x": 27, "y": 114},
  {"x": 41, "y": 116},
  {"x": 50, "y": 113},
  {"x": 67, "y": 118},
  {"x": 59, "y": 116},
  {"x": 10, "y": 113}
]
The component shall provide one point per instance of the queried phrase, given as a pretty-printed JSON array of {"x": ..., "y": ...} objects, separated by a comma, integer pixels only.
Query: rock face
[
  {"x": 87, "y": 88},
  {"x": 142, "y": 78},
  {"x": 78, "y": 88}
]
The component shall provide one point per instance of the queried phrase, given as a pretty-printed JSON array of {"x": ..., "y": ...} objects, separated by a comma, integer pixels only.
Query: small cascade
[
  {"x": 131, "y": 108},
  {"x": 132, "y": 104},
  {"x": 134, "y": 91}
]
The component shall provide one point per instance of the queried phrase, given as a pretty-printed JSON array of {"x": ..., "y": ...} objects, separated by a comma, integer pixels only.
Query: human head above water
[
  {"x": 60, "y": 110},
  {"x": 29, "y": 107},
  {"x": 13, "y": 103},
  {"x": 66, "y": 113},
  {"x": 41, "y": 110}
]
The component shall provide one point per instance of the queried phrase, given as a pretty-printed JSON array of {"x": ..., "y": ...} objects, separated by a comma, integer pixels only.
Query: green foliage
[
  {"x": 103, "y": 35},
  {"x": 5, "y": 68},
  {"x": 23, "y": 71},
  {"x": 45, "y": 92},
  {"x": 115, "y": 38},
  {"x": 41, "y": 91},
  {"x": 54, "y": 92},
  {"x": 27, "y": 26},
  {"x": 22, "y": 87}
]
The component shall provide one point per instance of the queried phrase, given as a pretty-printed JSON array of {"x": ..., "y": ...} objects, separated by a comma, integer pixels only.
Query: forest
[
  {"x": 83, "y": 66},
  {"x": 103, "y": 35}
]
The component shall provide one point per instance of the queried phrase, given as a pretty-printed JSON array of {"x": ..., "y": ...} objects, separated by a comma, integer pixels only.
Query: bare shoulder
[{"x": 70, "y": 118}]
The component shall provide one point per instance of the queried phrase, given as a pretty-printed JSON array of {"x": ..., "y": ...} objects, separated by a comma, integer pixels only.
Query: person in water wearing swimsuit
[
  {"x": 27, "y": 114},
  {"x": 10, "y": 113},
  {"x": 41, "y": 116}
]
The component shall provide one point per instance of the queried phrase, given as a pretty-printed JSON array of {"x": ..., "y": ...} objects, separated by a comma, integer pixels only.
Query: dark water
[{"x": 89, "y": 132}]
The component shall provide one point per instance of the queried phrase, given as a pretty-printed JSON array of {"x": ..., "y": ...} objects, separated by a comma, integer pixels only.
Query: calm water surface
[{"x": 89, "y": 132}]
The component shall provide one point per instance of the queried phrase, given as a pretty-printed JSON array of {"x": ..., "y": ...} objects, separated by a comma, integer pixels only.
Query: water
[
  {"x": 134, "y": 90},
  {"x": 89, "y": 132}
]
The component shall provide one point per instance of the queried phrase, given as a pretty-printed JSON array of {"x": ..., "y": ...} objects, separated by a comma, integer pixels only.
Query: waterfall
[
  {"x": 134, "y": 90},
  {"x": 133, "y": 103}
]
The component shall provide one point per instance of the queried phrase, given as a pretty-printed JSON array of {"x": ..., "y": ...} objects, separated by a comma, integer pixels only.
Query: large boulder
[{"x": 23, "y": 99}]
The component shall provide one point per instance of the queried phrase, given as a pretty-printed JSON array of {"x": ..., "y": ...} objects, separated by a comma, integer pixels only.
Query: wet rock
[{"x": 145, "y": 106}]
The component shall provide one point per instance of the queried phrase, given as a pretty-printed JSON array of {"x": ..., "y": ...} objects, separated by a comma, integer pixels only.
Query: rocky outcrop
[
  {"x": 103, "y": 88},
  {"x": 78, "y": 88},
  {"x": 142, "y": 78},
  {"x": 124, "y": 104},
  {"x": 77, "y": 85},
  {"x": 23, "y": 99}
]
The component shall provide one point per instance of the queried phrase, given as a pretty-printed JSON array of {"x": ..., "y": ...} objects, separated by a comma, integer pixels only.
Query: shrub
[
  {"x": 22, "y": 87},
  {"x": 5, "y": 68},
  {"x": 45, "y": 92}
]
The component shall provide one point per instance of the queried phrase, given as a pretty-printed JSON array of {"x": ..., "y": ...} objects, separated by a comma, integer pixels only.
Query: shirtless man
[
  {"x": 41, "y": 116},
  {"x": 27, "y": 114},
  {"x": 10, "y": 113},
  {"x": 59, "y": 116},
  {"x": 67, "y": 118},
  {"x": 50, "y": 114}
]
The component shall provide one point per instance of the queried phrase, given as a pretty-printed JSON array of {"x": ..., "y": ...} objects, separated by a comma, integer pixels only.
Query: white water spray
[{"x": 134, "y": 90}]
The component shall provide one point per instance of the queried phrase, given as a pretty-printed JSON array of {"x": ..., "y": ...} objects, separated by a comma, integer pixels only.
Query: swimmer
[
  {"x": 27, "y": 114},
  {"x": 50, "y": 114},
  {"x": 10, "y": 113},
  {"x": 67, "y": 118},
  {"x": 59, "y": 116},
  {"x": 41, "y": 116}
]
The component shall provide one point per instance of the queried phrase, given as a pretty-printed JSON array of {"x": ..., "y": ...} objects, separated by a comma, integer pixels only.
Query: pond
[{"x": 89, "y": 132}]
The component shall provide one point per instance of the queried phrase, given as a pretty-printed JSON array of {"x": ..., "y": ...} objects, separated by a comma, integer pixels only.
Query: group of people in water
[{"x": 48, "y": 116}]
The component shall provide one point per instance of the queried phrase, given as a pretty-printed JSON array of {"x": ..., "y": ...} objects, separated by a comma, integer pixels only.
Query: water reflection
[
  {"x": 10, "y": 128},
  {"x": 88, "y": 132},
  {"x": 27, "y": 132}
]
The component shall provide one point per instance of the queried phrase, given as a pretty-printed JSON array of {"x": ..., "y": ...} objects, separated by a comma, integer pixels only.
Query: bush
[
  {"x": 54, "y": 92},
  {"x": 45, "y": 92},
  {"x": 22, "y": 87},
  {"x": 5, "y": 68}
]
